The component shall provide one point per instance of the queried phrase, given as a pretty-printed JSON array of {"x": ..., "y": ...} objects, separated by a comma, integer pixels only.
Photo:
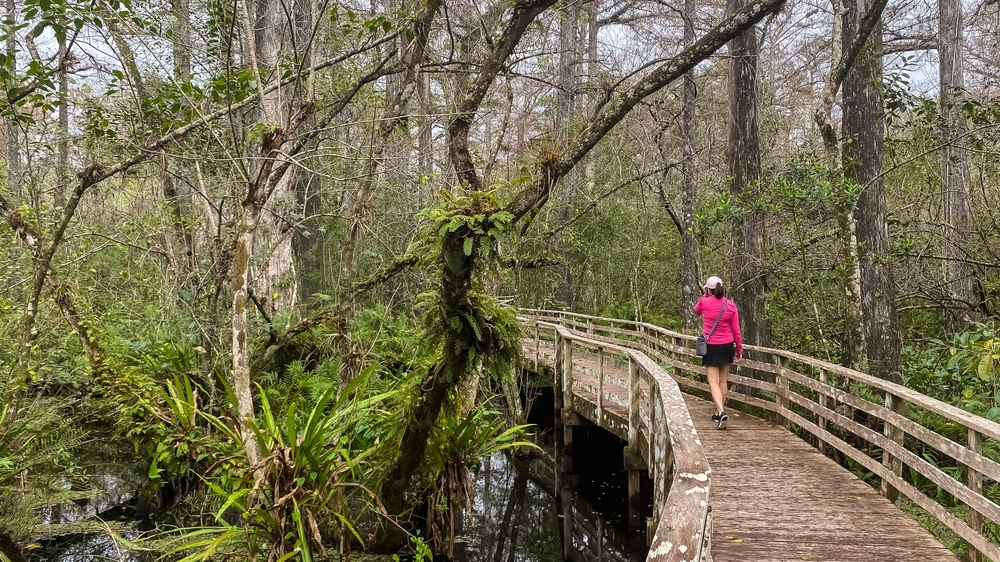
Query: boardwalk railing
[
  {"x": 658, "y": 428},
  {"x": 842, "y": 409}
]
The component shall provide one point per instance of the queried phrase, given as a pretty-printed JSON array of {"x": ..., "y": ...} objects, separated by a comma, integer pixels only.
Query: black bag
[{"x": 701, "y": 344}]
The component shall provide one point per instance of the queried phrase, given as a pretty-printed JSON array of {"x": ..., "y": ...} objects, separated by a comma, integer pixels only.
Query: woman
[{"x": 725, "y": 344}]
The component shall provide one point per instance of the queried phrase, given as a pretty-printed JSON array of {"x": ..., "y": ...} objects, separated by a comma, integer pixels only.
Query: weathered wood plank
[
  {"x": 782, "y": 500},
  {"x": 929, "y": 471}
]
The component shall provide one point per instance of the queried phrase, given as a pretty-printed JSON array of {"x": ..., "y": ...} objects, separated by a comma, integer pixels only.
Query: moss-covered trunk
[{"x": 458, "y": 352}]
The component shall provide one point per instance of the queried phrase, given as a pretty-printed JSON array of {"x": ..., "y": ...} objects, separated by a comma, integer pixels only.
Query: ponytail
[{"x": 718, "y": 291}]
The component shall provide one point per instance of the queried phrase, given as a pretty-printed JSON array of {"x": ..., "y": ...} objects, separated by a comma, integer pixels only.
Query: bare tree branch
[{"x": 554, "y": 166}]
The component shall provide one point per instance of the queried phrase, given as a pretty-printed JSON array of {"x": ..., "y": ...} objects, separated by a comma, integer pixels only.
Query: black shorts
[{"x": 719, "y": 354}]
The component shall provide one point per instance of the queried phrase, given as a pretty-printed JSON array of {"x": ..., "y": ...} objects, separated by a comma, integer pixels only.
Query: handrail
[
  {"x": 820, "y": 398},
  {"x": 672, "y": 449}
]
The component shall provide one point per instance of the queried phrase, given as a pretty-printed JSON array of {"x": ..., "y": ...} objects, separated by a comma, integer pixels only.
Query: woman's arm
[
  {"x": 734, "y": 325},
  {"x": 698, "y": 308}
]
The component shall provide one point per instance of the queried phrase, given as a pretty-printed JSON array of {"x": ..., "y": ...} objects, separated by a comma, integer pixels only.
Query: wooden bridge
[{"x": 767, "y": 490}]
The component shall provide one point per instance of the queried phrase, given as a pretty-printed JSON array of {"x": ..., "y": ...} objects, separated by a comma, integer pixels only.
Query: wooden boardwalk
[
  {"x": 776, "y": 498},
  {"x": 773, "y": 496}
]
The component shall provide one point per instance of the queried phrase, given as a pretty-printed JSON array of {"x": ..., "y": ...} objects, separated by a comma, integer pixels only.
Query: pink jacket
[{"x": 708, "y": 308}]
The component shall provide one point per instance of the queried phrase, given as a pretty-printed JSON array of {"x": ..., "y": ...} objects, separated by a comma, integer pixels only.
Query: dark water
[
  {"x": 103, "y": 512},
  {"x": 516, "y": 517},
  {"x": 515, "y": 514}
]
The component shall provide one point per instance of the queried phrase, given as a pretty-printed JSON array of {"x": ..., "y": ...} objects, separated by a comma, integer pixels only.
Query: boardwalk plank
[{"x": 786, "y": 501}]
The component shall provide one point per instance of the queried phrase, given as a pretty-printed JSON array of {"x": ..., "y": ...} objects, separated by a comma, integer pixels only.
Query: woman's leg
[
  {"x": 718, "y": 392},
  {"x": 723, "y": 386}
]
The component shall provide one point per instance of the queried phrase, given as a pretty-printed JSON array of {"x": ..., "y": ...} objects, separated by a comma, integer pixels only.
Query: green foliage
[
  {"x": 164, "y": 424},
  {"x": 457, "y": 445},
  {"x": 479, "y": 434},
  {"x": 37, "y": 440},
  {"x": 963, "y": 371},
  {"x": 468, "y": 324},
  {"x": 861, "y": 472},
  {"x": 474, "y": 216},
  {"x": 421, "y": 551},
  {"x": 302, "y": 491}
]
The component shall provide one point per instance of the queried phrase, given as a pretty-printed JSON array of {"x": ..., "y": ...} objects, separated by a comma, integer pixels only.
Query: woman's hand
[{"x": 738, "y": 359}]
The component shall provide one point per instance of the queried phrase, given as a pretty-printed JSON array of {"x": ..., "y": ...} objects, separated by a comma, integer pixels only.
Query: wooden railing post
[
  {"x": 658, "y": 470},
  {"x": 780, "y": 397},
  {"x": 976, "y": 487},
  {"x": 633, "y": 405},
  {"x": 538, "y": 345},
  {"x": 568, "y": 409},
  {"x": 664, "y": 455},
  {"x": 821, "y": 418},
  {"x": 654, "y": 424},
  {"x": 568, "y": 374},
  {"x": 600, "y": 385},
  {"x": 675, "y": 342},
  {"x": 590, "y": 325},
  {"x": 634, "y": 475},
  {"x": 895, "y": 465}
]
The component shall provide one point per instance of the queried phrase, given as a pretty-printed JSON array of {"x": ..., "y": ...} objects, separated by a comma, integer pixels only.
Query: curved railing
[
  {"x": 830, "y": 402},
  {"x": 658, "y": 428}
]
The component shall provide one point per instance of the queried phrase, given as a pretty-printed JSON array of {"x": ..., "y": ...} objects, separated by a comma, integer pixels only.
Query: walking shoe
[
  {"x": 715, "y": 418},
  {"x": 723, "y": 418}
]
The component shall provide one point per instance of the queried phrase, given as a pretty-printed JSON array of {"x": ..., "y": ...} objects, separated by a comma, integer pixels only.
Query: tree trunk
[
  {"x": 241, "y": 338},
  {"x": 425, "y": 139},
  {"x": 690, "y": 283},
  {"x": 63, "y": 181},
  {"x": 273, "y": 281},
  {"x": 863, "y": 136},
  {"x": 960, "y": 276},
  {"x": 13, "y": 128},
  {"x": 456, "y": 362},
  {"x": 181, "y": 40},
  {"x": 855, "y": 352},
  {"x": 569, "y": 25},
  {"x": 177, "y": 194},
  {"x": 750, "y": 284}
]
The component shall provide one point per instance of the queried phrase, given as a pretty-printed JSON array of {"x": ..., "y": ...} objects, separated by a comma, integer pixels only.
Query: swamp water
[{"x": 516, "y": 514}]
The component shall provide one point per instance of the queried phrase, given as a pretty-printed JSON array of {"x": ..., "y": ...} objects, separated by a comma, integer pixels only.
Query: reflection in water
[
  {"x": 112, "y": 490},
  {"x": 64, "y": 538},
  {"x": 516, "y": 518},
  {"x": 88, "y": 548},
  {"x": 512, "y": 518}
]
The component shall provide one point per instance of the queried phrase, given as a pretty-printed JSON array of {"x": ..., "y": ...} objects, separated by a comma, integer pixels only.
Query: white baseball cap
[{"x": 713, "y": 282}]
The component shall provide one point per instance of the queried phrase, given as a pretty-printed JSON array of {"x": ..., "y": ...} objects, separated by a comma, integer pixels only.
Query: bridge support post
[
  {"x": 821, "y": 418},
  {"x": 600, "y": 385},
  {"x": 893, "y": 463},
  {"x": 557, "y": 401},
  {"x": 781, "y": 397},
  {"x": 567, "y": 409},
  {"x": 976, "y": 487},
  {"x": 634, "y": 500},
  {"x": 568, "y": 524}
]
